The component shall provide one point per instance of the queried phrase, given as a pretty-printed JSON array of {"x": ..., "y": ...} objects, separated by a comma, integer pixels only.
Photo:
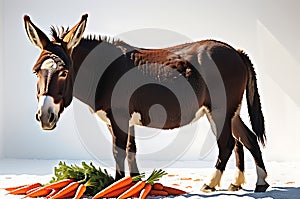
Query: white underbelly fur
[{"x": 136, "y": 117}]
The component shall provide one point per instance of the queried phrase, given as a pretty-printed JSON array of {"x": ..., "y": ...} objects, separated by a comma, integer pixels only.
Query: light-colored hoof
[
  {"x": 233, "y": 187},
  {"x": 207, "y": 189}
]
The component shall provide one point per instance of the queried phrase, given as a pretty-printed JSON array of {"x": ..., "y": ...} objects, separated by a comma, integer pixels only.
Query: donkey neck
[{"x": 90, "y": 59}]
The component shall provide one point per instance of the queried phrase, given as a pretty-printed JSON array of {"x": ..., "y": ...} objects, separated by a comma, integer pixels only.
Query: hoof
[
  {"x": 207, "y": 189},
  {"x": 261, "y": 188},
  {"x": 233, "y": 187}
]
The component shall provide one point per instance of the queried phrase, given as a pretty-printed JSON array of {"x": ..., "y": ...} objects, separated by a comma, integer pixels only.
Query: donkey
[{"x": 207, "y": 77}]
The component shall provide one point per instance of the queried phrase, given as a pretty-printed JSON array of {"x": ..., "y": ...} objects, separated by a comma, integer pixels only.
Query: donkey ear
[
  {"x": 74, "y": 35},
  {"x": 36, "y": 36}
]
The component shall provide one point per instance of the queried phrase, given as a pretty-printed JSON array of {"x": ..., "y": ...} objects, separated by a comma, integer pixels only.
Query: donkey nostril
[
  {"x": 51, "y": 119},
  {"x": 37, "y": 117}
]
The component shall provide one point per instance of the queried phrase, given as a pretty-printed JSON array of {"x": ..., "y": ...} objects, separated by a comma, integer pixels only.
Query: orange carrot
[
  {"x": 114, "y": 186},
  {"x": 59, "y": 184},
  {"x": 40, "y": 192},
  {"x": 173, "y": 191},
  {"x": 155, "y": 175},
  {"x": 136, "y": 195},
  {"x": 68, "y": 195},
  {"x": 69, "y": 188},
  {"x": 154, "y": 192},
  {"x": 32, "y": 190},
  {"x": 133, "y": 190},
  {"x": 144, "y": 193},
  {"x": 80, "y": 191},
  {"x": 52, "y": 193},
  {"x": 13, "y": 188},
  {"x": 117, "y": 192},
  {"x": 23, "y": 190},
  {"x": 158, "y": 186}
]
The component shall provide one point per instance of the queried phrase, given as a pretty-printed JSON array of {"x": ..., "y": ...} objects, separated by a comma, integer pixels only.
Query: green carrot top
[{"x": 155, "y": 176}]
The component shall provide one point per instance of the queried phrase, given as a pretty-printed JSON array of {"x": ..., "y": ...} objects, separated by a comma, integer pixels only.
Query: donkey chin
[{"x": 48, "y": 113}]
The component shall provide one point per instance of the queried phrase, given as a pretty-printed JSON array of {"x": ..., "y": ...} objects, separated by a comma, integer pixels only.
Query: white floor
[{"x": 284, "y": 177}]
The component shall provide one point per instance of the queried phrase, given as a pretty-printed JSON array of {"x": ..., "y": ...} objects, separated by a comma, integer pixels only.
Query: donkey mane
[{"x": 58, "y": 33}]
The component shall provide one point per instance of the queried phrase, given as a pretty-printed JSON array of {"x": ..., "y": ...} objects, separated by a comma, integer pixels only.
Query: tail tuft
[{"x": 253, "y": 101}]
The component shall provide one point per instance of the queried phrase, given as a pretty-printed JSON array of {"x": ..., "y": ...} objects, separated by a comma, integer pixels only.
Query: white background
[{"x": 268, "y": 31}]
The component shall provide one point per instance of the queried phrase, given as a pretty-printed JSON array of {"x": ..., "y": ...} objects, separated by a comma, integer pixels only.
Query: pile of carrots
[
  {"x": 126, "y": 188},
  {"x": 95, "y": 183}
]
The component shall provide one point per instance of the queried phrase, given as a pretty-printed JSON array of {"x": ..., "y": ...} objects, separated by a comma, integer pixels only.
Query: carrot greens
[{"x": 94, "y": 178}]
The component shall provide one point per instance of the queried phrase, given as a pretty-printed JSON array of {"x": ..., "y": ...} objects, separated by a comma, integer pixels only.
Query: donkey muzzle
[{"x": 48, "y": 112}]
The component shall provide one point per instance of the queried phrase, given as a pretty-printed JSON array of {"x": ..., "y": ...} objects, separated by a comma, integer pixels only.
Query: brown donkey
[{"x": 189, "y": 80}]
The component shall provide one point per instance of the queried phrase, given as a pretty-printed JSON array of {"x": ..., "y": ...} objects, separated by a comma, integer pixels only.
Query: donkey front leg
[
  {"x": 119, "y": 153},
  {"x": 131, "y": 146},
  {"x": 119, "y": 138},
  {"x": 131, "y": 152}
]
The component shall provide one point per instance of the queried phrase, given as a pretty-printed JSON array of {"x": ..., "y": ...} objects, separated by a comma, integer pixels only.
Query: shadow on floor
[{"x": 274, "y": 192}]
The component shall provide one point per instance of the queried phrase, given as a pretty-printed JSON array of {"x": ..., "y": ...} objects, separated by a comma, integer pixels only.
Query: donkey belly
[{"x": 164, "y": 108}]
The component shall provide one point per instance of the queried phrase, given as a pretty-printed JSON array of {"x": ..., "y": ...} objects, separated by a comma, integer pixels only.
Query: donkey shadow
[{"x": 275, "y": 192}]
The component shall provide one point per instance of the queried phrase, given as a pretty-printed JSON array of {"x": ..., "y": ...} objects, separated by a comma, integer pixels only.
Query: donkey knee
[{"x": 131, "y": 156}]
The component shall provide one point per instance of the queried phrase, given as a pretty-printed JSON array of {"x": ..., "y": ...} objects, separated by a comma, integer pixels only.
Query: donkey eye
[
  {"x": 35, "y": 73},
  {"x": 63, "y": 73}
]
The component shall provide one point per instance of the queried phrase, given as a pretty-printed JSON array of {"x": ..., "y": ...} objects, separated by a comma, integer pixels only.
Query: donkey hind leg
[
  {"x": 131, "y": 152},
  {"x": 249, "y": 140},
  {"x": 240, "y": 164},
  {"x": 225, "y": 144}
]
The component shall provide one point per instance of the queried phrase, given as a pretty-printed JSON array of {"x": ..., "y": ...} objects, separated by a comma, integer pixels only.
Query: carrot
[
  {"x": 154, "y": 192},
  {"x": 23, "y": 190},
  {"x": 117, "y": 185},
  {"x": 80, "y": 191},
  {"x": 59, "y": 184},
  {"x": 174, "y": 191},
  {"x": 68, "y": 195},
  {"x": 114, "y": 186},
  {"x": 158, "y": 186},
  {"x": 117, "y": 192},
  {"x": 133, "y": 190},
  {"x": 40, "y": 192},
  {"x": 144, "y": 193},
  {"x": 155, "y": 175},
  {"x": 13, "y": 188},
  {"x": 136, "y": 195},
  {"x": 52, "y": 193},
  {"x": 32, "y": 190},
  {"x": 69, "y": 188}
]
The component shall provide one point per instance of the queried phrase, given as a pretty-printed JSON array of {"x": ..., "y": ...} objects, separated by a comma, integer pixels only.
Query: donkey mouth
[
  {"x": 48, "y": 127},
  {"x": 48, "y": 122}
]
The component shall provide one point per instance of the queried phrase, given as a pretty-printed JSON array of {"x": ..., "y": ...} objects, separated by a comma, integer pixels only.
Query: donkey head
[{"x": 54, "y": 70}]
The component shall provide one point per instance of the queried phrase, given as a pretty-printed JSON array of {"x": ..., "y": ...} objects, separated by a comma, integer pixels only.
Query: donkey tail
[{"x": 253, "y": 101}]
